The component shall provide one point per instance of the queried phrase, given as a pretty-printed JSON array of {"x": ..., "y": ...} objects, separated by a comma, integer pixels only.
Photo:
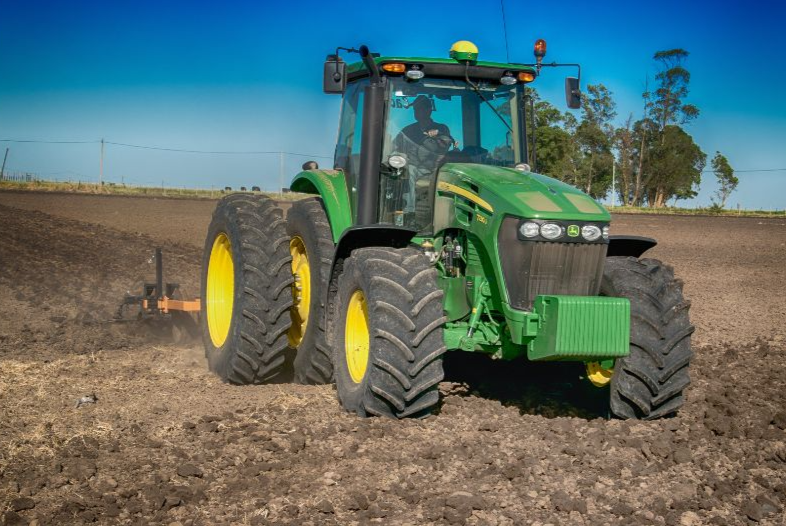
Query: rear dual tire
[
  {"x": 311, "y": 247},
  {"x": 246, "y": 296}
]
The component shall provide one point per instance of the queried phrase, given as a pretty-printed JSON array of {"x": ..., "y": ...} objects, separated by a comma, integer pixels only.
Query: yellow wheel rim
[
  {"x": 356, "y": 336},
  {"x": 301, "y": 290},
  {"x": 220, "y": 290},
  {"x": 599, "y": 376}
]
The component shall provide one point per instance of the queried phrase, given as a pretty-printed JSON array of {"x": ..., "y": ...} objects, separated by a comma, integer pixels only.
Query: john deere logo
[{"x": 573, "y": 231}]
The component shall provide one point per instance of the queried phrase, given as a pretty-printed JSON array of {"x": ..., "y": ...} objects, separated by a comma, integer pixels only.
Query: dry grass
[
  {"x": 129, "y": 190},
  {"x": 709, "y": 211}
]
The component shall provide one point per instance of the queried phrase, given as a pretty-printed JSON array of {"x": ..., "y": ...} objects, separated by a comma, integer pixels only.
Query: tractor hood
[{"x": 524, "y": 194}]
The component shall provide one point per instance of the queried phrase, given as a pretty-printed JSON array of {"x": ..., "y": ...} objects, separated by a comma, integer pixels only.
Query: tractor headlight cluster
[
  {"x": 590, "y": 232},
  {"x": 567, "y": 231},
  {"x": 530, "y": 229},
  {"x": 551, "y": 230}
]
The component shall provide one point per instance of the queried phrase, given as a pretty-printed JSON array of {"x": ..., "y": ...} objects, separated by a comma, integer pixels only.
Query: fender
[
  {"x": 362, "y": 237},
  {"x": 331, "y": 186},
  {"x": 631, "y": 246}
]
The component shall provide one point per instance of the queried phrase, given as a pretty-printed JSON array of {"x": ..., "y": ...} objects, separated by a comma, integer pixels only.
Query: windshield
[{"x": 436, "y": 121}]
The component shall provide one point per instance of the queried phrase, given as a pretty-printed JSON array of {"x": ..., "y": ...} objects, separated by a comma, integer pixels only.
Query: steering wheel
[{"x": 439, "y": 144}]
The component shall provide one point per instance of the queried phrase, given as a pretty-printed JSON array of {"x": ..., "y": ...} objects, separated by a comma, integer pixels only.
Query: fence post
[
  {"x": 281, "y": 174},
  {"x": 2, "y": 170}
]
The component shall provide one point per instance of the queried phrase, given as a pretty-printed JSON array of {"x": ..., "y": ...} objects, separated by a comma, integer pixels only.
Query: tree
[
  {"x": 726, "y": 179},
  {"x": 664, "y": 109},
  {"x": 624, "y": 142},
  {"x": 554, "y": 139},
  {"x": 672, "y": 88},
  {"x": 594, "y": 137},
  {"x": 675, "y": 167}
]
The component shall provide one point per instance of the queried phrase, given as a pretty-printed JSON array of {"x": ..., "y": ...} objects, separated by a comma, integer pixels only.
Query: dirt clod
[
  {"x": 22, "y": 503},
  {"x": 189, "y": 470}
]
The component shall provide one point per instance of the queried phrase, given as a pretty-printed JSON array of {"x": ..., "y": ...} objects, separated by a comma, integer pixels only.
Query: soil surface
[{"x": 157, "y": 439}]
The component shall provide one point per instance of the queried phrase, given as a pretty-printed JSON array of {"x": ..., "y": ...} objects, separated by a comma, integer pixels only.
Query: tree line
[{"x": 656, "y": 161}]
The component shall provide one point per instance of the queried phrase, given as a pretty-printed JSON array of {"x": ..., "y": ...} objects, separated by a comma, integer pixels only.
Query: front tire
[
  {"x": 649, "y": 382},
  {"x": 246, "y": 290},
  {"x": 388, "y": 343}
]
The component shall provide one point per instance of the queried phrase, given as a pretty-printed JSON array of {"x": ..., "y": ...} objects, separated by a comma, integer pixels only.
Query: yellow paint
[
  {"x": 538, "y": 201},
  {"x": 220, "y": 290},
  {"x": 356, "y": 336},
  {"x": 466, "y": 194},
  {"x": 598, "y": 375},
  {"x": 464, "y": 46},
  {"x": 584, "y": 204},
  {"x": 301, "y": 291},
  {"x": 482, "y": 219}
]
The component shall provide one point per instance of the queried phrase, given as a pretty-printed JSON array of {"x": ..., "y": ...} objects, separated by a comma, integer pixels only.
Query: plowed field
[{"x": 167, "y": 443}]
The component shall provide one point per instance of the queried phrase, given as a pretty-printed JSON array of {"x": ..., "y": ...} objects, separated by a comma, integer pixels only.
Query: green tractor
[{"x": 432, "y": 234}]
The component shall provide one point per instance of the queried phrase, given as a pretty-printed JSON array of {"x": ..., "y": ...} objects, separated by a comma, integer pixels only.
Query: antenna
[{"x": 505, "y": 30}]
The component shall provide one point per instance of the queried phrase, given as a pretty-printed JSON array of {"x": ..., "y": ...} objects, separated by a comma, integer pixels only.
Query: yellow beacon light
[{"x": 464, "y": 51}]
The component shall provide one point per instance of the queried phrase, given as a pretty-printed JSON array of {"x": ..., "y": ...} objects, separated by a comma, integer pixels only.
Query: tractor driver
[{"x": 424, "y": 143}]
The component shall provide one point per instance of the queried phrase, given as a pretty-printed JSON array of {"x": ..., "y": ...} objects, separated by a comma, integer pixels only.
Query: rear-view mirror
[
  {"x": 335, "y": 75},
  {"x": 572, "y": 93}
]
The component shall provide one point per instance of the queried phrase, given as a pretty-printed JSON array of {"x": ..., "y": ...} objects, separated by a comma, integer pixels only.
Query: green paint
[
  {"x": 455, "y": 300},
  {"x": 500, "y": 187},
  {"x": 581, "y": 328},
  {"x": 331, "y": 186}
]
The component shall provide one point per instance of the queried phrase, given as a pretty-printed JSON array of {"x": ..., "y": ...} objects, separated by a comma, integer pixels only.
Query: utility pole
[
  {"x": 2, "y": 170},
  {"x": 281, "y": 173},
  {"x": 101, "y": 166},
  {"x": 613, "y": 178}
]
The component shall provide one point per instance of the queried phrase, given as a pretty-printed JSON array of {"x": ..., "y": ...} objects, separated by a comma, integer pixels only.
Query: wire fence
[
  {"x": 110, "y": 163},
  {"x": 20, "y": 177}
]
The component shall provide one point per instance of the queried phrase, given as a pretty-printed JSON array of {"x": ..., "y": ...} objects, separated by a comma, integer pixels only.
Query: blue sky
[{"x": 247, "y": 76}]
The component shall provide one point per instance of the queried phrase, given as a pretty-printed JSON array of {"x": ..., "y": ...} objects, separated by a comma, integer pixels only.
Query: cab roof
[{"x": 444, "y": 67}]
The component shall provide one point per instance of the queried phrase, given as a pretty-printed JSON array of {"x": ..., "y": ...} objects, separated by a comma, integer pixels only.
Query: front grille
[{"x": 532, "y": 268}]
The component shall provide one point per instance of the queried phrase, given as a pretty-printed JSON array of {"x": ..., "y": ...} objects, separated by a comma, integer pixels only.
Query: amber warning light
[
  {"x": 394, "y": 67},
  {"x": 540, "y": 48}
]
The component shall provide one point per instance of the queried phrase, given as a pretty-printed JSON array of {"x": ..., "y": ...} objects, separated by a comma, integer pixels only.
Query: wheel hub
[
  {"x": 220, "y": 290},
  {"x": 356, "y": 336},
  {"x": 599, "y": 376},
  {"x": 301, "y": 290}
]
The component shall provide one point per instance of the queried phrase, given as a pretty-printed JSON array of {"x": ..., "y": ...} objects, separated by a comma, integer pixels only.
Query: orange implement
[{"x": 166, "y": 305}]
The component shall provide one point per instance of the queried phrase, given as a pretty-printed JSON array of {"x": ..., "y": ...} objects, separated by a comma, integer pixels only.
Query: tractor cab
[
  {"x": 427, "y": 123},
  {"x": 423, "y": 114}
]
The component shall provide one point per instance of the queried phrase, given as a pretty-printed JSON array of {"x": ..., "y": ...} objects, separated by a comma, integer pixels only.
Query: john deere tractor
[{"x": 432, "y": 233}]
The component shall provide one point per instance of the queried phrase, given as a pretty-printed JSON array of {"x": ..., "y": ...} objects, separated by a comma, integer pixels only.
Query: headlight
[
  {"x": 590, "y": 232},
  {"x": 551, "y": 231},
  {"x": 397, "y": 161},
  {"x": 523, "y": 167},
  {"x": 529, "y": 229},
  {"x": 605, "y": 232}
]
